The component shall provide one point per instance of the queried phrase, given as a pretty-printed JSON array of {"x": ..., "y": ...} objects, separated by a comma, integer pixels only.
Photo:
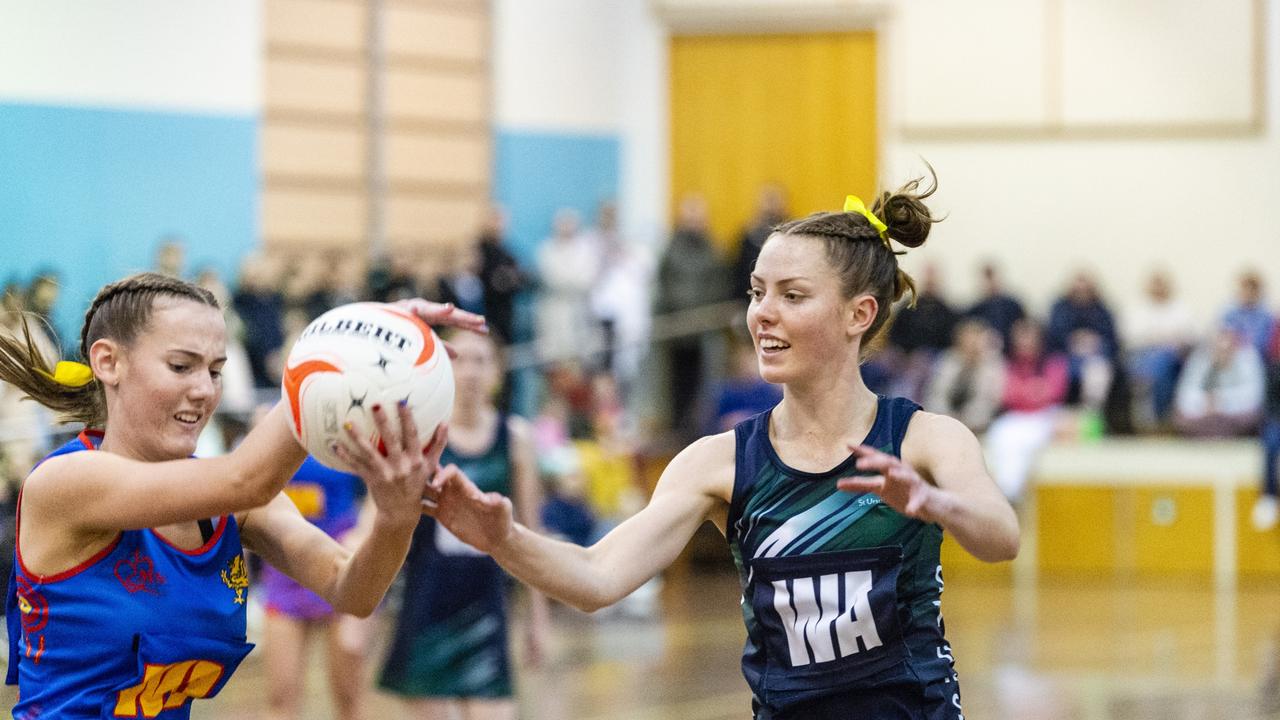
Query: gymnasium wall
[
  {"x": 121, "y": 123},
  {"x": 1117, "y": 135}
]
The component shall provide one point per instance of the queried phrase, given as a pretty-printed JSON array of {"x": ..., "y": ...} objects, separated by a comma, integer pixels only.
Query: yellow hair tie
[
  {"x": 854, "y": 204},
  {"x": 70, "y": 374}
]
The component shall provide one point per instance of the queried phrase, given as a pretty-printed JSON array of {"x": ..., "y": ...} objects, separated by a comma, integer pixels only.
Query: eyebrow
[
  {"x": 783, "y": 281},
  {"x": 196, "y": 355}
]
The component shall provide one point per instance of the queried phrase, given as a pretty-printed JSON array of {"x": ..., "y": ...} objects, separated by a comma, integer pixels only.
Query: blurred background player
[{"x": 449, "y": 649}]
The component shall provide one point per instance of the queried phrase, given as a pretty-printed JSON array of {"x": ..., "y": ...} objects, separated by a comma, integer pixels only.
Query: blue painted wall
[
  {"x": 90, "y": 192},
  {"x": 537, "y": 173}
]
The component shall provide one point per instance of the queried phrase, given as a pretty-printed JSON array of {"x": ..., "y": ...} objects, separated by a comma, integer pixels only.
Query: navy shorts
[{"x": 936, "y": 701}]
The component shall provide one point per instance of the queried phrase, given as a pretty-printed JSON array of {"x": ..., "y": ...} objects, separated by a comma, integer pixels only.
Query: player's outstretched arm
[
  {"x": 698, "y": 480},
  {"x": 354, "y": 580},
  {"x": 942, "y": 478}
]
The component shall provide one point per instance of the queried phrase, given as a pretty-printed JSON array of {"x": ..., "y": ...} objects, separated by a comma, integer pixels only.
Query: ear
[
  {"x": 106, "y": 357},
  {"x": 860, "y": 313}
]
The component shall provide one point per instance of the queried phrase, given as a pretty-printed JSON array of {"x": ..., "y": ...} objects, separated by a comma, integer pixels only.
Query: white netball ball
[{"x": 358, "y": 355}]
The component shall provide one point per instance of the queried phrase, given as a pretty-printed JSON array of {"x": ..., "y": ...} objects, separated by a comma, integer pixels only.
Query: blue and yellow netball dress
[
  {"x": 840, "y": 591},
  {"x": 451, "y": 635},
  {"x": 136, "y": 631}
]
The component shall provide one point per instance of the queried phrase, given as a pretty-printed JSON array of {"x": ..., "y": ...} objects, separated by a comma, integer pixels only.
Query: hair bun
[{"x": 905, "y": 213}]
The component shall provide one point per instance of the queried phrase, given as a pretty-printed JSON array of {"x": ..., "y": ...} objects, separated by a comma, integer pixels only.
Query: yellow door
[{"x": 795, "y": 110}]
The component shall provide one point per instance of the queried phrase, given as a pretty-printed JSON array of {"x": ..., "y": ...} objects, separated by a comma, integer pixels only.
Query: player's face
[
  {"x": 171, "y": 378},
  {"x": 796, "y": 311},
  {"x": 477, "y": 369}
]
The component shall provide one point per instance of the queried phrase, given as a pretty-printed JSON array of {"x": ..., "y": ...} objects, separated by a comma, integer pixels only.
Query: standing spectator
[
  {"x": 501, "y": 275},
  {"x": 1250, "y": 317},
  {"x": 1034, "y": 391},
  {"x": 1266, "y": 511},
  {"x": 689, "y": 276},
  {"x": 568, "y": 263},
  {"x": 1220, "y": 393},
  {"x": 771, "y": 211},
  {"x": 968, "y": 382},
  {"x": 1160, "y": 332},
  {"x": 260, "y": 306},
  {"x": 621, "y": 299},
  {"x": 462, "y": 285},
  {"x": 997, "y": 308}
]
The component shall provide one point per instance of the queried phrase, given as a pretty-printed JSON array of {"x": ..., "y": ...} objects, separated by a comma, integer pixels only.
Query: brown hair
[
  {"x": 865, "y": 262},
  {"x": 120, "y": 312}
]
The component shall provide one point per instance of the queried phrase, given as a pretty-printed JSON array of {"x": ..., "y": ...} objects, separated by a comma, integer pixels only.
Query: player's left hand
[
  {"x": 397, "y": 471},
  {"x": 434, "y": 313},
  {"x": 897, "y": 483}
]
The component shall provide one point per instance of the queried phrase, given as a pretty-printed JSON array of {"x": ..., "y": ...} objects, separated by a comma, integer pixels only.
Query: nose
[{"x": 203, "y": 388}]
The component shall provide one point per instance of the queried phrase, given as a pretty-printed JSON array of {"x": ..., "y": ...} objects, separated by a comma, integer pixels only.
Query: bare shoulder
[
  {"x": 706, "y": 466},
  {"x": 931, "y": 436}
]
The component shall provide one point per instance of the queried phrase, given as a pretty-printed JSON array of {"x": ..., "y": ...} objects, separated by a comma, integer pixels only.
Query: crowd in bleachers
[{"x": 614, "y": 347}]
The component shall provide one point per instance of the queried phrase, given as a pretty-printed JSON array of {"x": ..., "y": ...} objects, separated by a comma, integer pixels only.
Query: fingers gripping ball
[{"x": 356, "y": 356}]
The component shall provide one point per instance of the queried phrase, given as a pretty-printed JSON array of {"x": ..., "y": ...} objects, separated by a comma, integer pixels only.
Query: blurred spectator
[
  {"x": 968, "y": 381},
  {"x": 500, "y": 274},
  {"x": 341, "y": 283},
  {"x": 1250, "y": 317},
  {"x": 237, "y": 375},
  {"x": 771, "y": 211},
  {"x": 1222, "y": 387},
  {"x": 997, "y": 308},
  {"x": 566, "y": 514},
  {"x": 743, "y": 393},
  {"x": 690, "y": 276},
  {"x": 391, "y": 277},
  {"x": 462, "y": 285},
  {"x": 42, "y": 298},
  {"x": 620, "y": 299},
  {"x": 260, "y": 307},
  {"x": 171, "y": 256},
  {"x": 1159, "y": 331},
  {"x": 1035, "y": 388},
  {"x": 920, "y": 334},
  {"x": 1082, "y": 326},
  {"x": 1266, "y": 511},
  {"x": 568, "y": 263}
]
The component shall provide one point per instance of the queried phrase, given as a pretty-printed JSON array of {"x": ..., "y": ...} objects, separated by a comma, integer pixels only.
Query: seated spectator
[
  {"x": 997, "y": 308},
  {"x": 1159, "y": 332},
  {"x": 921, "y": 333},
  {"x": 1250, "y": 316},
  {"x": 968, "y": 382},
  {"x": 1266, "y": 511},
  {"x": 566, "y": 514},
  {"x": 1220, "y": 393},
  {"x": 743, "y": 393},
  {"x": 1034, "y": 391},
  {"x": 1082, "y": 309}
]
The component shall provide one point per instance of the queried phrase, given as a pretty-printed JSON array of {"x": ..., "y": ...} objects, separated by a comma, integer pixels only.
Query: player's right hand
[{"x": 482, "y": 520}]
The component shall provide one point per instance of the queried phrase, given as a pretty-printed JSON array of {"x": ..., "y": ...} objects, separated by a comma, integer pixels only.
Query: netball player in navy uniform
[
  {"x": 834, "y": 503},
  {"x": 128, "y": 593},
  {"x": 449, "y": 650}
]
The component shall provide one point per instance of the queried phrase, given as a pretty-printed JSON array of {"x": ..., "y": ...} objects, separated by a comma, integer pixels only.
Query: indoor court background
[{"x": 1114, "y": 137}]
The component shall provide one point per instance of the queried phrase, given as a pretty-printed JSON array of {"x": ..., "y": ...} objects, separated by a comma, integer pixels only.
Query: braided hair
[
  {"x": 120, "y": 311},
  {"x": 862, "y": 258}
]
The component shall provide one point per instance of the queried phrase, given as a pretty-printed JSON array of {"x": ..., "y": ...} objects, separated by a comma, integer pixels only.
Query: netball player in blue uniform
[
  {"x": 834, "y": 503},
  {"x": 128, "y": 593},
  {"x": 449, "y": 650}
]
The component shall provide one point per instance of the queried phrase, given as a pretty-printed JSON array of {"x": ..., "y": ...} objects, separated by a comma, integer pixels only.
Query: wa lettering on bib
[{"x": 832, "y": 613}]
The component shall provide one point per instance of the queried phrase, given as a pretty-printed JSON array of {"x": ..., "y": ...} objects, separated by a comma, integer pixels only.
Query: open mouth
[
  {"x": 188, "y": 418},
  {"x": 773, "y": 345}
]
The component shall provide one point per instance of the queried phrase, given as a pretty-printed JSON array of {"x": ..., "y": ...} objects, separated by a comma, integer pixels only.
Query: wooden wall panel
[
  {"x": 422, "y": 218},
  {"x": 301, "y": 214},
  {"x": 446, "y": 33},
  {"x": 316, "y": 25},
  {"x": 299, "y": 85},
  {"x": 437, "y": 96},
  {"x": 292, "y": 150},
  {"x": 449, "y": 159}
]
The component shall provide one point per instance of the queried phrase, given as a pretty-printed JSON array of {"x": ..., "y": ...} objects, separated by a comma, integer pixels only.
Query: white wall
[
  {"x": 186, "y": 55},
  {"x": 1043, "y": 206}
]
